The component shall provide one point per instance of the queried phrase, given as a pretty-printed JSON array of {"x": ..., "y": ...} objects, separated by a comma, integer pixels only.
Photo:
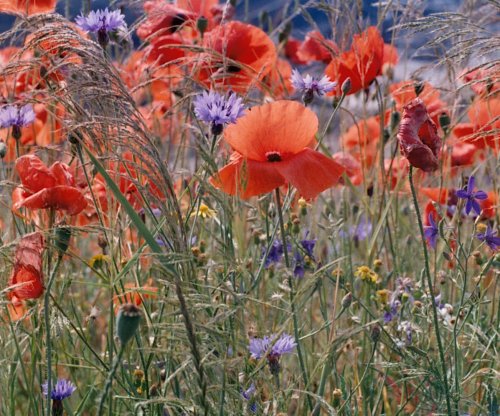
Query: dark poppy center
[
  {"x": 233, "y": 69},
  {"x": 177, "y": 21},
  {"x": 273, "y": 157}
]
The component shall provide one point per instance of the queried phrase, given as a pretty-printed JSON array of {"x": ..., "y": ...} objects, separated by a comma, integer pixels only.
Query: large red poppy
[
  {"x": 271, "y": 144},
  {"x": 45, "y": 187},
  {"x": 362, "y": 63},
  {"x": 316, "y": 48},
  {"x": 236, "y": 56},
  {"x": 418, "y": 137},
  {"x": 27, "y": 6},
  {"x": 26, "y": 280}
]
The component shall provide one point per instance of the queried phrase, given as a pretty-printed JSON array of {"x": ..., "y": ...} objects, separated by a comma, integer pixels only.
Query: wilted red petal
[
  {"x": 310, "y": 172},
  {"x": 27, "y": 275},
  {"x": 417, "y": 136}
]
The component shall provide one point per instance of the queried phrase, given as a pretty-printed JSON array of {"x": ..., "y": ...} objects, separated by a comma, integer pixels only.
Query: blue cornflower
[
  {"x": 471, "y": 196},
  {"x": 217, "y": 110},
  {"x": 16, "y": 117},
  {"x": 489, "y": 237},
  {"x": 102, "y": 22},
  {"x": 431, "y": 231},
  {"x": 309, "y": 85},
  {"x": 271, "y": 346},
  {"x": 62, "y": 390},
  {"x": 248, "y": 395}
]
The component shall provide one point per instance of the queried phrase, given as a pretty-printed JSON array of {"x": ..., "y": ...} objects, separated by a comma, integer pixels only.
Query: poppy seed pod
[
  {"x": 62, "y": 238},
  {"x": 127, "y": 322}
]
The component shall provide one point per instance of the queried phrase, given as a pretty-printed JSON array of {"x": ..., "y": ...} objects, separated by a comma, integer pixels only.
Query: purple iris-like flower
[
  {"x": 16, "y": 117},
  {"x": 271, "y": 346},
  {"x": 300, "y": 266},
  {"x": 431, "y": 231},
  {"x": 390, "y": 314},
  {"x": 309, "y": 85},
  {"x": 217, "y": 110},
  {"x": 275, "y": 253},
  {"x": 489, "y": 237},
  {"x": 62, "y": 390},
  {"x": 471, "y": 196},
  {"x": 101, "y": 21}
]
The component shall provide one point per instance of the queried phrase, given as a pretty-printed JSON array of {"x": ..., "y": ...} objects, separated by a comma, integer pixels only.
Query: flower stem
[
  {"x": 431, "y": 292},
  {"x": 109, "y": 380},
  {"x": 48, "y": 341},
  {"x": 292, "y": 296}
]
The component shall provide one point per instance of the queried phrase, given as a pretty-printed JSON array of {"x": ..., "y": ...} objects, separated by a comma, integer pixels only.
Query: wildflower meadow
[{"x": 246, "y": 208}]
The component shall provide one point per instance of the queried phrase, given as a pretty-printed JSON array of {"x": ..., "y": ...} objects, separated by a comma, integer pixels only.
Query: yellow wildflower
[
  {"x": 204, "y": 212},
  {"x": 366, "y": 274},
  {"x": 98, "y": 261}
]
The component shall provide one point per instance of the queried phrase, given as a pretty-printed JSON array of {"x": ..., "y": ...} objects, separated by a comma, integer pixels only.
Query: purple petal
[{"x": 480, "y": 195}]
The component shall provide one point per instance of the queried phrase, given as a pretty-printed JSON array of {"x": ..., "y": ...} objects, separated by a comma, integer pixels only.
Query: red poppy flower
[
  {"x": 352, "y": 166},
  {"x": 278, "y": 82},
  {"x": 271, "y": 144},
  {"x": 165, "y": 49},
  {"x": 237, "y": 56},
  {"x": 163, "y": 18},
  {"x": 403, "y": 92},
  {"x": 27, "y": 6},
  {"x": 26, "y": 280},
  {"x": 484, "y": 115},
  {"x": 45, "y": 187},
  {"x": 417, "y": 136},
  {"x": 484, "y": 80},
  {"x": 292, "y": 46},
  {"x": 205, "y": 8},
  {"x": 316, "y": 48},
  {"x": 362, "y": 63},
  {"x": 362, "y": 140}
]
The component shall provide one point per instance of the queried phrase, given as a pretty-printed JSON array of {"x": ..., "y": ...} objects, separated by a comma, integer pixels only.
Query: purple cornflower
[
  {"x": 431, "y": 231},
  {"x": 310, "y": 85},
  {"x": 102, "y": 22},
  {"x": 489, "y": 237},
  {"x": 471, "y": 196},
  {"x": 16, "y": 117},
  {"x": 217, "y": 110},
  {"x": 392, "y": 311},
  {"x": 272, "y": 348},
  {"x": 62, "y": 390},
  {"x": 248, "y": 395}
]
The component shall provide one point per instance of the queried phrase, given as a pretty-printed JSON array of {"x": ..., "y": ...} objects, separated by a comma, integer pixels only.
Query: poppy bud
[
  {"x": 395, "y": 119},
  {"x": 3, "y": 149},
  {"x": 62, "y": 238},
  {"x": 202, "y": 24},
  {"x": 347, "y": 300},
  {"x": 127, "y": 322},
  {"x": 444, "y": 121},
  {"x": 337, "y": 396},
  {"x": 419, "y": 87},
  {"x": 346, "y": 86},
  {"x": 375, "y": 333}
]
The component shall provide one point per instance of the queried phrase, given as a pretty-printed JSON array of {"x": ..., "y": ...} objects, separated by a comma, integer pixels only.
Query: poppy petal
[
  {"x": 33, "y": 173},
  {"x": 282, "y": 126},
  {"x": 310, "y": 172},
  {"x": 66, "y": 198},
  {"x": 248, "y": 178}
]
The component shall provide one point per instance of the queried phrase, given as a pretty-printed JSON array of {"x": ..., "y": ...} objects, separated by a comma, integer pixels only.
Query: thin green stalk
[
  {"x": 48, "y": 341},
  {"x": 109, "y": 380},
  {"x": 292, "y": 296},
  {"x": 431, "y": 292}
]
